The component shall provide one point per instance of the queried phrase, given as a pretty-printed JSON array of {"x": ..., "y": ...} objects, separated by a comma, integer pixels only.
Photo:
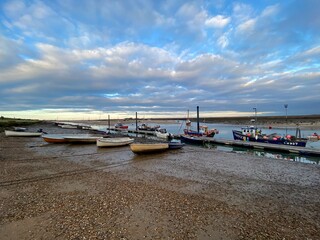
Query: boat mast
[
  {"x": 198, "y": 127},
  {"x": 188, "y": 122},
  {"x": 255, "y": 117}
]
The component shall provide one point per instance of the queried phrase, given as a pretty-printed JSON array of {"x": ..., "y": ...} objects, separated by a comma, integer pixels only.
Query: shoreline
[
  {"x": 292, "y": 124},
  {"x": 69, "y": 191}
]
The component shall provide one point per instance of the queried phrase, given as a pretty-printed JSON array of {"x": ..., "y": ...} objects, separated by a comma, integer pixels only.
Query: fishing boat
[
  {"x": 145, "y": 127},
  {"x": 114, "y": 142},
  {"x": 141, "y": 148},
  {"x": 314, "y": 137},
  {"x": 203, "y": 131},
  {"x": 252, "y": 134},
  {"x": 54, "y": 138},
  {"x": 120, "y": 126},
  {"x": 10, "y": 133}
]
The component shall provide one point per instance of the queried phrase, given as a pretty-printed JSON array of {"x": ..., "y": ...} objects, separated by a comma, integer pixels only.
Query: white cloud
[
  {"x": 270, "y": 10},
  {"x": 247, "y": 26},
  {"x": 218, "y": 21},
  {"x": 223, "y": 41}
]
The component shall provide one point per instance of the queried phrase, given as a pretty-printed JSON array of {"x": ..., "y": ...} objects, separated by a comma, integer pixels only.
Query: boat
[
  {"x": 204, "y": 131},
  {"x": 120, "y": 126},
  {"x": 82, "y": 138},
  {"x": 176, "y": 145},
  {"x": 10, "y": 133},
  {"x": 145, "y": 127},
  {"x": 162, "y": 133},
  {"x": 114, "y": 142},
  {"x": 198, "y": 140},
  {"x": 252, "y": 134},
  {"x": 314, "y": 137},
  {"x": 54, "y": 138},
  {"x": 68, "y": 126},
  {"x": 141, "y": 148},
  {"x": 19, "y": 129}
]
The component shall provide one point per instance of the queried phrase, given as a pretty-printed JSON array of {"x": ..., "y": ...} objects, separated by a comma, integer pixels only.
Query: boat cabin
[{"x": 250, "y": 131}]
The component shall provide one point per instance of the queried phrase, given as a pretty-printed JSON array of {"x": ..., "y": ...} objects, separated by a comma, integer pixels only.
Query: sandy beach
[{"x": 72, "y": 191}]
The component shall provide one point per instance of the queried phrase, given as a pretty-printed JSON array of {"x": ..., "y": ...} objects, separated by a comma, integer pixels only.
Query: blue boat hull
[
  {"x": 237, "y": 135},
  {"x": 191, "y": 139}
]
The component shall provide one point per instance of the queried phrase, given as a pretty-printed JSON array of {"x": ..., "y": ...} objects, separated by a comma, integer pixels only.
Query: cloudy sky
[{"x": 93, "y": 58}]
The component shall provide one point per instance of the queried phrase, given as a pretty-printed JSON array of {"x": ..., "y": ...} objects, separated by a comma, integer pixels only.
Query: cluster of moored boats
[
  {"x": 200, "y": 136},
  {"x": 100, "y": 140}
]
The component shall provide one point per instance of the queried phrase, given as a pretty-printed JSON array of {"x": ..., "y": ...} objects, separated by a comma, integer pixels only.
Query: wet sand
[{"x": 71, "y": 191}]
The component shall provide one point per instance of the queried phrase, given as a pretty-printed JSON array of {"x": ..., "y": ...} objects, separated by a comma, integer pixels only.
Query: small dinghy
[
  {"x": 54, "y": 138},
  {"x": 141, "y": 148},
  {"x": 82, "y": 138},
  {"x": 9, "y": 133},
  {"x": 176, "y": 145},
  {"x": 114, "y": 142}
]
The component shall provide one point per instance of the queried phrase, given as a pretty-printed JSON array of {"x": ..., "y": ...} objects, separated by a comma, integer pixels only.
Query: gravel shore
[{"x": 71, "y": 191}]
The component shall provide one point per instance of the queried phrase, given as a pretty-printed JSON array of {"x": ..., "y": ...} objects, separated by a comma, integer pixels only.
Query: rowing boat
[
  {"x": 82, "y": 138},
  {"x": 9, "y": 133},
  {"x": 54, "y": 138},
  {"x": 140, "y": 148},
  {"x": 114, "y": 142}
]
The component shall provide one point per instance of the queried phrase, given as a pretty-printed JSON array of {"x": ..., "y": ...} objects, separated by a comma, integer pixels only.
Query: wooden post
[
  {"x": 136, "y": 121},
  {"x": 198, "y": 126},
  {"x": 109, "y": 123}
]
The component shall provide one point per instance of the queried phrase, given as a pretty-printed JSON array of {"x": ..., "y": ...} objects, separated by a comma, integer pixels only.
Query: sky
[{"x": 90, "y": 59}]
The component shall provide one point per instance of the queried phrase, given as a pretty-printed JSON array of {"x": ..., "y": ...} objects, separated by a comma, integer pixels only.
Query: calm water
[{"x": 225, "y": 132}]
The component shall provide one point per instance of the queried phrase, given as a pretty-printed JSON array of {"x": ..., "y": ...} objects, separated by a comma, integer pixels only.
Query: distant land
[
  {"x": 303, "y": 121},
  {"x": 310, "y": 119}
]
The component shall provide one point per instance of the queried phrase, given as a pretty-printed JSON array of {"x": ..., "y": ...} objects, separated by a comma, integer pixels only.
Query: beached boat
[
  {"x": 114, "y": 142},
  {"x": 68, "y": 126},
  {"x": 82, "y": 138},
  {"x": 10, "y": 133},
  {"x": 54, "y": 138},
  {"x": 19, "y": 129},
  {"x": 176, "y": 145},
  {"x": 141, "y": 148},
  {"x": 162, "y": 133},
  {"x": 198, "y": 140},
  {"x": 252, "y": 134}
]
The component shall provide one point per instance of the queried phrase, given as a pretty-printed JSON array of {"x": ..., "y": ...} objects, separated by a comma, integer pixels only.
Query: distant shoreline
[{"x": 303, "y": 122}]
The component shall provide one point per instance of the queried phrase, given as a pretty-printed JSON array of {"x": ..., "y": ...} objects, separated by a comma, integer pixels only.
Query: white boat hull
[
  {"x": 162, "y": 135},
  {"x": 82, "y": 139},
  {"x": 113, "y": 142},
  {"x": 141, "y": 148},
  {"x": 9, "y": 133}
]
